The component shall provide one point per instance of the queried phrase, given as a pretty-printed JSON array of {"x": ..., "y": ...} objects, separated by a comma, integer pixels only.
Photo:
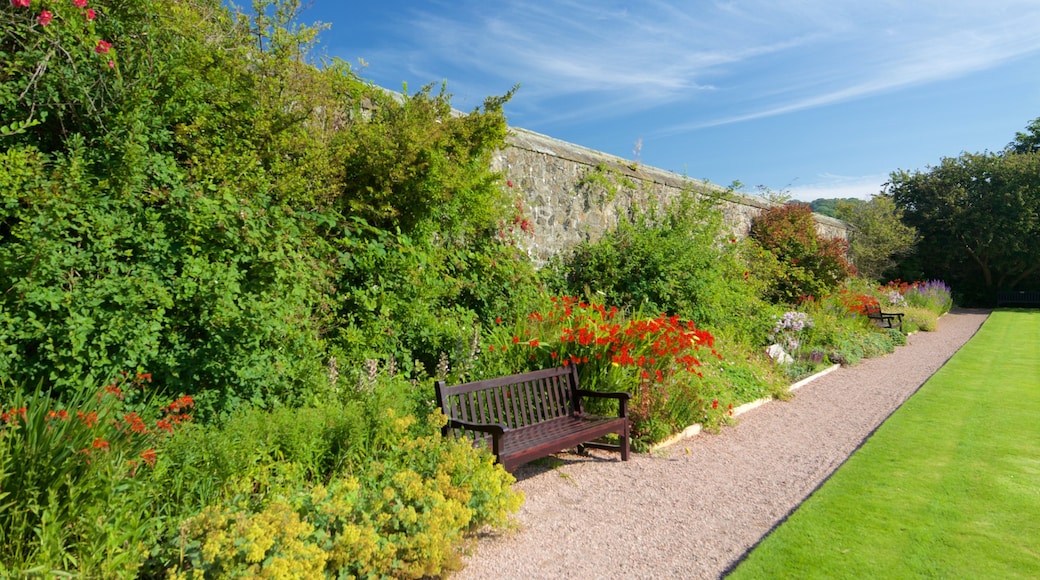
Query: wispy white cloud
[{"x": 728, "y": 62}]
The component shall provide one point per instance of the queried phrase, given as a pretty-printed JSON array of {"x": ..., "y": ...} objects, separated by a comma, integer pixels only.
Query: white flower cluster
[
  {"x": 788, "y": 326},
  {"x": 896, "y": 299}
]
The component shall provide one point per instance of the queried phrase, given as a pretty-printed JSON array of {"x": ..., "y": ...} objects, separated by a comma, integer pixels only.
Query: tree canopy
[
  {"x": 880, "y": 236},
  {"x": 979, "y": 220}
]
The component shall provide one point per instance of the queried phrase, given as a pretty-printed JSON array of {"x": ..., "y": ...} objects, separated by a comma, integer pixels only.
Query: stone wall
[{"x": 573, "y": 194}]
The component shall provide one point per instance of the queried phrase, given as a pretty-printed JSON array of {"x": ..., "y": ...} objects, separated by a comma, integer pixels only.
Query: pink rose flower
[
  {"x": 102, "y": 47},
  {"x": 79, "y": 3},
  {"x": 44, "y": 18},
  {"x": 90, "y": 14},
  {"x": 20, "y": 3}
]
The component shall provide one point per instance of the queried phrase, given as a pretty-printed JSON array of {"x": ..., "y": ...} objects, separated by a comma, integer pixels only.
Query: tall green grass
[{"x": 948, "y": 487}]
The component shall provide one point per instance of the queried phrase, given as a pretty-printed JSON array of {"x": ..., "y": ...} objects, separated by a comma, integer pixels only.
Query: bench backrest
[
  {"x": 872, "y": 309},
  {"x": 513, "y": 401},
  {"x": 1018, "y": 297}
]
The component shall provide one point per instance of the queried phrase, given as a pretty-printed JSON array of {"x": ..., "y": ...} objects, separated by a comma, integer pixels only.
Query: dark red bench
[
  {"x": 530, "y": 415},
  {"x": 873, "y": 312}
]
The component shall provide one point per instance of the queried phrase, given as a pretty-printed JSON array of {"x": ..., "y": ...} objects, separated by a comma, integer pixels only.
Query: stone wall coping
[{"x": 546, "y": 145}]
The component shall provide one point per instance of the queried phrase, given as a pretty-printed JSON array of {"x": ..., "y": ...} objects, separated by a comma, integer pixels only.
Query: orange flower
[
  {"x": 149, "y": 457},
  {"x": 89, "y": 419}
]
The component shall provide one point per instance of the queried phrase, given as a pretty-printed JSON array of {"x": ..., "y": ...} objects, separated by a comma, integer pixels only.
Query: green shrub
[
  {"x": 403, "y": 514},
  {"x": 810, "y": 265},
  {"x": 923, "y": 319},
  {"x": 289, "y": 471},
  {"x": 675, "y": 259}
]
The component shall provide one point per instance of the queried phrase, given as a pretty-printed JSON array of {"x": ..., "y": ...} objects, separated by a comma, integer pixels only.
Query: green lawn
[{"x": 948, "y": 487}]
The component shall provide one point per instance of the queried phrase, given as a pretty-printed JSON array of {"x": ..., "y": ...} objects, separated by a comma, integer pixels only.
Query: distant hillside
[{"x": 826, "y": 206}]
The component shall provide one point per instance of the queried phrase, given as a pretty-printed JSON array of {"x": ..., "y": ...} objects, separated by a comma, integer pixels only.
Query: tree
[
  {"x": 979, "y": 220},
  {"x": 1028, "y": 141},
  {"x": 828, "y": 206},
  {"x": 880, "y": 235}
]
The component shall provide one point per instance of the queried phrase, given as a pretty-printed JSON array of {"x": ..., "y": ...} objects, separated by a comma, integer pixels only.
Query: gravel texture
[{"x": 695, "y": 508}]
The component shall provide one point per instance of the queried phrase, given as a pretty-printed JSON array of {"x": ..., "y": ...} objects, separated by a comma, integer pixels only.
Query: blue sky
[{"x": 821, "y": 98}]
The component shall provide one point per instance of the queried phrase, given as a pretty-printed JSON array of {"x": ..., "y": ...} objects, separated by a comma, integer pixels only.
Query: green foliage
[
  {"x": 1027, "y": 141},
  {"x": 979, "y": 220},
  {"x": 201, "y": 290},
  {"x": 356, "y": 488},
  {"x": 916, "y": 318},
  {"x": 673, "y": 259},
  {"x": 213, "y": 233},
  {"x": 416, "y": 167},
  {"x": 74, "y": 477},
  {"x": 315, "y": 481},
  {"x": 829, "y": 206},
  {"x": 880, "y": 237},
  {"x": 809, "y": 265}
]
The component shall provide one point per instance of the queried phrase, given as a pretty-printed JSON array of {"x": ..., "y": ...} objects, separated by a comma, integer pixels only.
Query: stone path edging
[{"x": 695, "y": 429}]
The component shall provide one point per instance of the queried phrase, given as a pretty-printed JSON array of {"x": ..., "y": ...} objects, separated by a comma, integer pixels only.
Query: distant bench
[
  {"x": 531, "y": 415},
  {"x": 873, "y": 312},
  {"x": 1018, "y": 298}
]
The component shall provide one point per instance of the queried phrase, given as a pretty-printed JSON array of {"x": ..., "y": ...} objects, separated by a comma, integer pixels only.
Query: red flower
[
  {"x": 89, "y": 419},
  {"x": 62, "y": 414},
  {"x": 149, "y": 457},
  {"x": 44, "y": 18},
  {"x": 508, "y": 182},
  {"x": 533, "y": 342},
  {"x": 715, "y": 404},
  {"x": 79, "y": 3},
  {"x": 136, "y": 423},
  {"x": 102, "y": 47},
  {"x": 90, "y": 14},
  {"x": 10, "y": 416},
  {"x": 164, "y": 425},
  {"x": 100, "y": 443},
  {"x": 20, "y": 3},
  {"x": 498, "y": 320},
  {"x": 180, "y": 404}
]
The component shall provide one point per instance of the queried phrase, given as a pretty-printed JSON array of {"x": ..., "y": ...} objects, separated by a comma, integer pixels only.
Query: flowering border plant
[
  {"x": 657, "y": 360},
  {"x": 66, "y": 468}
]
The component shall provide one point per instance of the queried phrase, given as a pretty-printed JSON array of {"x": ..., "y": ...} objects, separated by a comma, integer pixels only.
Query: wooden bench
[
  {"x": 1018, "y": 298},
  {"x": 531, "y": 415},
  {"x": 873, "y": 312}
]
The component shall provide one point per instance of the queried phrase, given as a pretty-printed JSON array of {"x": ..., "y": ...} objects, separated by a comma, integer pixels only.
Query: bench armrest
[
  {"x": 493, "y": 429},
  {"x": 622, "y": 398}
]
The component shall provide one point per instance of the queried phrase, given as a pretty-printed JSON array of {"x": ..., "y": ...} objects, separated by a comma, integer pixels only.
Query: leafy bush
[
  {"x": 810, "y": 266},
  {"x": 403, "y": 513},
  {"x": 919, "y": 319},
  {"x": 672, "y": 259},
  {"x": 323, "y": 483}
]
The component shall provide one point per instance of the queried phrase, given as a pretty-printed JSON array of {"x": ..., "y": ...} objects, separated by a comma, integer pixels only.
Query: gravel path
[{"x": 694, "y": 509}]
